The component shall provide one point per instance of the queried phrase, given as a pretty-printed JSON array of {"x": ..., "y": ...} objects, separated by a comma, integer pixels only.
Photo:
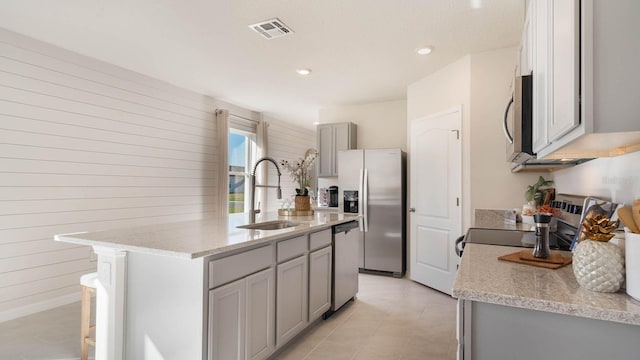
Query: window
[{"x": 241, "y": 157}]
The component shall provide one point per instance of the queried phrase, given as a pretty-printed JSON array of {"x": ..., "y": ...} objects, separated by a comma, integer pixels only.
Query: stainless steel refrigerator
[{"x": 372, "y": 183}]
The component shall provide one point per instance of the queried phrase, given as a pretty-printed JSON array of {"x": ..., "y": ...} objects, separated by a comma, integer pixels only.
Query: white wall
[
  {"x": 380, "y": 124},
  {"x": 616, "y": 178},
  {"x": 440, "y": 91},
  {"x": 88, "y": 146},
  {"x": 285, "y": 142},
  {"x": 493, "y": 185},
  {"x": 481, "y": 84}
]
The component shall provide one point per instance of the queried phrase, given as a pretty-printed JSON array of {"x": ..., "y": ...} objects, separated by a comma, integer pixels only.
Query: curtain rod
[{"x": 240, "y": 117}]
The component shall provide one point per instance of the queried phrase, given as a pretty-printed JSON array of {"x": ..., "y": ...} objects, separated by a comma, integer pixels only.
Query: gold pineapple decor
[
  {"x": 598, "y": 228},
  {"x": 597, "y": 264}
]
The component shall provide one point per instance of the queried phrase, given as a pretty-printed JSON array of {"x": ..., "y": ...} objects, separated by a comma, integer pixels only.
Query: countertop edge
[
  {"x": 76, "y": 238},
  {"x": 548, "y": 306}
]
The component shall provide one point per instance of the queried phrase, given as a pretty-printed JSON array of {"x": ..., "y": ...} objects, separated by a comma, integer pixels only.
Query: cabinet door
[
  {"x": 525, "y": 44},
  {"x": 227, "y": 322},
  {"x": 319, "y": 282},
  {"x": 564, "y": 67},
  {"x": 342, "y": 137},
  {"x": 291, "y": 299},
  {"x": 260, "y": 290},
  {"x": 325, "y": 150},
  {"x": 541, "y": 74}
]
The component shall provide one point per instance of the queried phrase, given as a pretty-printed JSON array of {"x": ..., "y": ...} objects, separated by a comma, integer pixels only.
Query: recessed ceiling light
[
  {"x": 426, "y": 50},
  {"x": 316, "y": 123},
  {"x": 303, "y": 72}
]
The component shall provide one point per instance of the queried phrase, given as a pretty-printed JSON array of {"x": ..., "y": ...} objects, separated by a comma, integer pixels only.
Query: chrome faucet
[{"x": 253, "y": 211}]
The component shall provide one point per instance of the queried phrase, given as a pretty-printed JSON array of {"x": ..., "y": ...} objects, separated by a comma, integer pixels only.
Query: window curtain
[
  {"x": 222, "y": 131},
  {"x": 262, "y": 151}
]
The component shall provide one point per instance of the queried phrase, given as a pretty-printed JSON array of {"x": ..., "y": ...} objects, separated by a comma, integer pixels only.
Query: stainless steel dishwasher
[{"x": 345, "y": 263}]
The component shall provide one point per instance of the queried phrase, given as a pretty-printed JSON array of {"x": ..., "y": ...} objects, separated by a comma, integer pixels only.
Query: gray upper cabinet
[
  {"x": 585, "y": 86},
  {"x": 331, "y": 139}
]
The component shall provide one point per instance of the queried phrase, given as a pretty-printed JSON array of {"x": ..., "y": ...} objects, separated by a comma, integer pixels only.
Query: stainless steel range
[{"x": 570, "y": 208}]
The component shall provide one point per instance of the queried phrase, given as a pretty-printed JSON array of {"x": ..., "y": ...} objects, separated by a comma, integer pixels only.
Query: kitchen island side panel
[{"x": 166, "y": 313}]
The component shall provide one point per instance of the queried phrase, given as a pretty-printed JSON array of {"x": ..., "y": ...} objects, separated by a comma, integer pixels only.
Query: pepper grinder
[{"x": 541, "y": 250}]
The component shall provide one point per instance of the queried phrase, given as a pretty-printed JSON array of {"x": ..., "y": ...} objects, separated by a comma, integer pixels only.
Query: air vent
[{"x": 271, "y": 29}]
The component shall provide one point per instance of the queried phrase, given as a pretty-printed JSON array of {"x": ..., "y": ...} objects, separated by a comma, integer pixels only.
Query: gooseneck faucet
[{"x": 253, "y": 211}]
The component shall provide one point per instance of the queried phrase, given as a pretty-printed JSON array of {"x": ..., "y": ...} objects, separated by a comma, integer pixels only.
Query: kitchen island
[
  {"x": 514, "y": 311},
  {"x": 207, "y": 289}
]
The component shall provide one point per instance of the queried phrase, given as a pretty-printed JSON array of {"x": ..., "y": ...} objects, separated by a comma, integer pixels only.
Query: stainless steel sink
[{"x": 270, "y": 225}]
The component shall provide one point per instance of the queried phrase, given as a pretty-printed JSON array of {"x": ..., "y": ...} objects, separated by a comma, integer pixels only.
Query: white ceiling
[{"x": 360, "y": 51}]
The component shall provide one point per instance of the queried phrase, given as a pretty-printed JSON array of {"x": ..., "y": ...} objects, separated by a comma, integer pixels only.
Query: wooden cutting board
[{"x": 555, "y": 261}]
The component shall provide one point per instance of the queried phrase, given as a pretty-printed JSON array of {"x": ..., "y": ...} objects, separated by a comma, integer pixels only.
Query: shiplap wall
[
  {"x": 286, "y": 142},
  {"x": 86, "y": 146}
]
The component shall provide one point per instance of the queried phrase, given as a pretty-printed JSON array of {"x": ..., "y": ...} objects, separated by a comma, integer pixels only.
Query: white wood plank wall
[
  {"x": 86, "y": 146},
  {"x": 286, "y": 142}
]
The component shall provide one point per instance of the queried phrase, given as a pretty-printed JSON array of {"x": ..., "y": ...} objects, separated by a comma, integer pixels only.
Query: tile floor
[{"x": 392, "y": 319}]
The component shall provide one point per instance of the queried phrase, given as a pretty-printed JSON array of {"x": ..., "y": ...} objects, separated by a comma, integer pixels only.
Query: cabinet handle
[{"x": 412, "y": 210}]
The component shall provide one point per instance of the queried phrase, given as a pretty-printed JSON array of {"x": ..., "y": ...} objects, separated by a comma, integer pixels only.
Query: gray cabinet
[
  {"x": 584, "y": 89},
  {"x": 490, "y": 331},
  {"x": 331, "y": 139},
  {"x": 260, "y": 321},
  {"x": 242, "y": 306},
  {"x": 291, "y": 294},
  {"x": 242, "y": 318},
  {"x": 556, "y": 69},
  {"x": 227, "y": 321},
  {"x": 319, "y": 282}
]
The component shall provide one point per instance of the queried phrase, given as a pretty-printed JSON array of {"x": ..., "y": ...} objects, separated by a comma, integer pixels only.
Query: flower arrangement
[
  {"x": 548, "y": 210},
  {"x": 299, "y": 171}
]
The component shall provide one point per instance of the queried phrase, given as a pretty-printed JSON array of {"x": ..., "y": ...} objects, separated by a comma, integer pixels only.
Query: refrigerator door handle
[
  {"x": 365, "y": 196},
  {"x": 360, "y": 200}
]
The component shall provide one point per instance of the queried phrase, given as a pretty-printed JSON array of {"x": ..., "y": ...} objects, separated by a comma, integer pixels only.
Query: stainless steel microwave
[
  {"x": 518, "y": 129},
  {"x": 517, "y": 124}
]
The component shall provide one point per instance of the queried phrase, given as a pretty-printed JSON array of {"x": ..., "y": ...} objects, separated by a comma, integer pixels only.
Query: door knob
[{"x": 412, "y": 209}]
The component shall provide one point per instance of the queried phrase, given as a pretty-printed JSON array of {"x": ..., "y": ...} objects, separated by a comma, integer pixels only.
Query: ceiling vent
[{"x": 271, "y": 29}]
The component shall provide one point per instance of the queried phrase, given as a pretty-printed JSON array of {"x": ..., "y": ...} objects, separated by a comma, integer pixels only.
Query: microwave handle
[{"x": 504, "y": 125}]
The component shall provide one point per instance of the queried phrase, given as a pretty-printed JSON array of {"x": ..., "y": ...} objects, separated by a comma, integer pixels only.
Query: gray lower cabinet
[
  {"x": 241, "y": 318},
  {"x": 292, "y": 305},
  {"x": 490, "y": 332},
  {"x": 319, "y": 282},
  {"x": 227, "y": 321},
  {"x": 259, "y": 341}
]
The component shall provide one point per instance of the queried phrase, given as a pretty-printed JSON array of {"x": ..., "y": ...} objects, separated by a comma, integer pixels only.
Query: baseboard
[{"x": 39, "y": 306}]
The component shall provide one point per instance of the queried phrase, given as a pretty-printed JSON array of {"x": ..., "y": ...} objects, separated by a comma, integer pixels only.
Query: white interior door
[{"x": 435, "y": 194}]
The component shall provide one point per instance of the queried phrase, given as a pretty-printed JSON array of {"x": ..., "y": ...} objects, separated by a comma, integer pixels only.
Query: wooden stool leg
[{"x": 85, "y": 319}]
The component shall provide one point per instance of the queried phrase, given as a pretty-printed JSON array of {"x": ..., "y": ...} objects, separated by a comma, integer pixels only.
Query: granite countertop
[
  {"x": 499, "y": 219},
  {"x": 482, "y": 277},
  {"x": 195, "y": 239}
]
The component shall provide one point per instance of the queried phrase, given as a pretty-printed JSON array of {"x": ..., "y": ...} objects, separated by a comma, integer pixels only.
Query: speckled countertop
[
  {"x": 499, "y": 219},
  {"x": 482, "y": 277},
  {"x": 194, "y": 239}
]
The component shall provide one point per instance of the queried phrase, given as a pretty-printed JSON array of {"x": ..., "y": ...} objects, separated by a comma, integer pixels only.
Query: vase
[
  {"x": 302, "y": 203},
  {"x": 598, "y": 266}
]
